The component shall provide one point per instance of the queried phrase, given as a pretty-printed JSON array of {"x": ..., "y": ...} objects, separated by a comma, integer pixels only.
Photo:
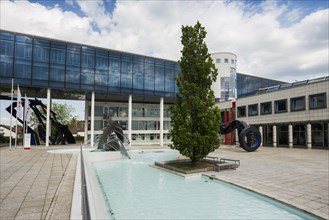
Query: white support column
[
  {"x": 48, "y": 131},
  {"x": 261, "y": 135},
  {"x": 237, "y": 143},
  {"x": 161, "y": 121},
  {"x": 309, "y": 136},
  {"x": 290, "y": 138},
  {"x": 86, "y": 123},
  {"x": 274, "y": 136},
  {"x": 92, "y": 122},
  {"x": 130, "y": 108}
]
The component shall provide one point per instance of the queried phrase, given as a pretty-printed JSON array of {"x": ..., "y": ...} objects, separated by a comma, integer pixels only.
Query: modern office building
[
  {"x": 287, "y": 115},
  {"x": 135, "y": 90}
]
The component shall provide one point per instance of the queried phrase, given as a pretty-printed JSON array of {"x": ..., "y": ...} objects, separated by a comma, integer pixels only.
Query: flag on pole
[
  {"x": 19, "y": 104},
  {"x": 27, "y": 109}
]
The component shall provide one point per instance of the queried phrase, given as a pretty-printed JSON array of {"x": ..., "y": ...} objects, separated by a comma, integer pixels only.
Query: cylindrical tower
[{"x": 225, "y": 85}]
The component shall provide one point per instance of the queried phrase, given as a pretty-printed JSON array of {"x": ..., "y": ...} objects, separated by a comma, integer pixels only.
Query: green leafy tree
[
  {"x": 64, "y": 115},
  {"x": 195, "y": 118}
]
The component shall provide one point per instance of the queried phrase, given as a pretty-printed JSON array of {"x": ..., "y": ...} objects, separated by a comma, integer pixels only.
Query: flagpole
[
  {"x": 16, "y": 119},
  {"x": 19, "y": 111},
  {"x": 11, "y": 110},
  {"x": 16, "y": 132},
  {"x": 24, "y": 123}
]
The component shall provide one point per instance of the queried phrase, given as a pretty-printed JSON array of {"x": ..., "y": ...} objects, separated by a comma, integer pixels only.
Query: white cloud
[{"x": 263, "y": 45}]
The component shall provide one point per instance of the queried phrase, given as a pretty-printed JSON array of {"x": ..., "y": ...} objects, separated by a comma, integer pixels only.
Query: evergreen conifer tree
[{"x": 195, "y": 118}]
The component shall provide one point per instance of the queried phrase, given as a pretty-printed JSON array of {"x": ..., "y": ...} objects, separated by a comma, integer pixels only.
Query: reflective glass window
[
  {"x": 123, "y": 112},
  {"x": 299, "y": 134},
  {"x": 23, "y": 58},
  {"x": 126, "y": 74},
  {"x": 57, "y": 63},
  {"x": 74, "y": 47},
  {"x": 87, "y": 68},
  {"x": 159, "y": 78},
  {"x": 113, "y": 111},
  {"x": 149, "y": 77},
  {"x": 297, "y": 104},
  {"x": 138, "y": 76},
  {"x": 241, "y": 111},
  {"x": 266, "y": 108},
  {"x": 98, "y": 110},
  {"x": 6, "y": 61},
  {"x": 41, "y": 42},
  {"x": 114, "y": 72},
  {"x": 88, "y": 61},
  {"x": 169, "y": 80},
  {"x": 72, "y": 66},
  {"x": 98, "y": 124},
  {"x": 6, "y": 36},
  {"x": 280, "y": 106},
  {"x": 253, "y": 110},
  {"x": 88, "y": 50},
  {"x": 166, "y": 125},
  {"x": 151, "y": 125},
  {"x": 101, "y": 69},
  {"x": 318, "y": 101},
  {"x": 218, "y": 60},
  {"x": 24, "y": 39},
  {"x": 177, "y": 71},
  {"x": 138, "y": 112},
  {"x": 40, "y": 62}
]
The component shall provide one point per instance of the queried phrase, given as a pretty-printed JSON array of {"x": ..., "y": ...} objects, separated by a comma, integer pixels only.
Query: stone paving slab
[
  {"x": 35, "y": 183},
  {"x": 299, "y": 177}
]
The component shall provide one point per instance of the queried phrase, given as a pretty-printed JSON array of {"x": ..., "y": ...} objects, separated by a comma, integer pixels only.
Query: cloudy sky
[{"x": 285, "y": 40}]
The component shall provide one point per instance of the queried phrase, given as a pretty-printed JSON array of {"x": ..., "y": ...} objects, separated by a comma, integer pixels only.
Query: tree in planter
[{"x": 195, "y": 118}]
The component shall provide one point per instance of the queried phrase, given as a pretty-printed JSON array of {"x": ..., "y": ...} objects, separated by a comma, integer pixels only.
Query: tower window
[
  {"x": 226, "y": 60},
  {"x": 218, "y": 60}
]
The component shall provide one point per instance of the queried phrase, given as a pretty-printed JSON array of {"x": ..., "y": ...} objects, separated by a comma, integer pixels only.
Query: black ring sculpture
[{"x": 249, "y": 137}]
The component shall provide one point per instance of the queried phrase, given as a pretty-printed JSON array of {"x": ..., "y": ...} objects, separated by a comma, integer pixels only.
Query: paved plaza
[
  {"x": 39, "y": 185},
  {"x": 36, "y": 184}
]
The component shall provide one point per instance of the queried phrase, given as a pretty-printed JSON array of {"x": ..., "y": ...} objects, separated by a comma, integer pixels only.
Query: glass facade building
[
  {"x": 112, "y": 78},
  {"x": 40, "y": 62},
  {"x": 248, "y": 85}
]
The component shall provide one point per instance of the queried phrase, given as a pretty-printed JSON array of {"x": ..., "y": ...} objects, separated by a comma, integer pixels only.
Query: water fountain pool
[{"x": 131, "y": 189}]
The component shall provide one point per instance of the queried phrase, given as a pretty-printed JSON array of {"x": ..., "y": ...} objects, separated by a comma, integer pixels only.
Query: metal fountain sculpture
[{"x": 112, "y": 138}]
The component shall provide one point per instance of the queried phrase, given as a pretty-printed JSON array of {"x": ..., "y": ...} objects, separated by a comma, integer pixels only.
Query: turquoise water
[{"x": 134, "y": 190}]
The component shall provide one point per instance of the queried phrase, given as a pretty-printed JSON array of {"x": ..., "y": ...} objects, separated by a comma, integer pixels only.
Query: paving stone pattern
[{"x": 36, "y": 184}]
